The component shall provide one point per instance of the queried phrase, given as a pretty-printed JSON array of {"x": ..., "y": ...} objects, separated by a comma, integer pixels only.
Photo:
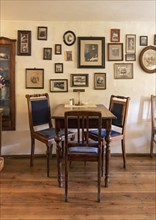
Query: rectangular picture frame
[
  {"x": 47, "y": 53},
  {"x": 115, "y": 35},
  {"x": 24, "y": 43},
  {"x": 42, "y": 33},
  {"x": 99, "y": 81},
  {"x": 130, "y": 43},
  {"x": 123, "y": 70},
  {"x": 34, "y": 78},
  {"x": 79, "y": 80},
  {"x": 58, "y": 85},
  {"x": 58, "y": 49},
  {"x": 143, "y": 40},
  {"x": 115, "y": 51},
  {"x": 58, "y": 67},
  {"x": 154, "y": 39},
  {"x": 130, "y": 57},
  {"x": 91, "y": 52}
]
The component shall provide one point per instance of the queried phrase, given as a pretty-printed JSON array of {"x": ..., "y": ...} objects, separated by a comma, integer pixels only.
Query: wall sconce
[{"x": 78, "y": 91}]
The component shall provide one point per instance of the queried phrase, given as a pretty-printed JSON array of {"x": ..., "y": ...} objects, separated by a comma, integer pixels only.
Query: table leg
[
  {"x": 58, "y": 140},
  {"x": 107, "y": 159}
]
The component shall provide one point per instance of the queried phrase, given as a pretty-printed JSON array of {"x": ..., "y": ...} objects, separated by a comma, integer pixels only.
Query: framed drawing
[
  {"x": 24, "y": 43},
  {"x": 58, "y": 85},
  {"x": 115, "y": 51},
  {"x": 99, "y": 80},
  {"x": 130, "y": 57},
  {"x": 79, "y": 80},
  {"x": 147, "y": 59},
  {"x": 115, "y": 35},
  {"x": 123, "y": 70},
  {"x": 91, "y": 52},
  {"x": 155, "y": 39},
  {"x": 34, "y": 78},
  {"x": 58, "y": 49},
  {"x": 68, "y": 56},
  {"x": 58, "y": 67},
  {"x": 69, "y": 38},
  {"x": 47, "y": 53},
  {"x": 130, "y": 43},
  {"x": 143, "y": 40},
  {"x": 42, "y": 33}
]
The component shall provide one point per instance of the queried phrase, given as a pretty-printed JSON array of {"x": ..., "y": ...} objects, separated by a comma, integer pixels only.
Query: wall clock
[
  {"x": 147, "y": 59},
  {"x": 69, "y": 38}
]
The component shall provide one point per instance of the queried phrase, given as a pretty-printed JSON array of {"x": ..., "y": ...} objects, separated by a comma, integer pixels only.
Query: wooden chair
[
  {"x": 153, "y": 123},
  {"x": 82, "y": 149},
  {"x": 40, "y": 124},
  {"x": 119, "y": 107}
]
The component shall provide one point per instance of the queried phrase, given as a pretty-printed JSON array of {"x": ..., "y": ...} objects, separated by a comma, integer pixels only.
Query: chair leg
[
  {"x": 66, "y": 181},
  {"x": 99, "y": 180},
  {"x": 32, "y": 152},
  {"x": 102, "y": 161},
  {"x": 151, "y": 147},
  {"x": 49, "y": 152},
  {"x": 123, "y": 153}
]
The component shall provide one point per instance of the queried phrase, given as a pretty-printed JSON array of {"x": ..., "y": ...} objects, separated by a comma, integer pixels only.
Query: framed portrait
[
  {"x": 68, "y": 56},
  {"x": 130, "y": 57},
  {"x": 69, "y": 38},
  {"x": 58, "y": 85},
  {"x": 155, "y": 39},
  {"x": 34, "y": 78},
  {"x": 79, "y": 80},
  {"x": 58, "y": 67},
  {"x": 143, "y": 40},
  {"x": 24, "y": 43},
  {"x": 115, "y": 51},
  {"x": 130, "y": 43},
  {"x": 42, "y": 33},
  {"x": 91, "y": 52},
  {"x": 47, "y": 53},
  {"x": 58, "y": 49},
  {"x": 99, "y": 81},
  {"x": 123, "y": 70},
  {"x": 115, "y": 35}
]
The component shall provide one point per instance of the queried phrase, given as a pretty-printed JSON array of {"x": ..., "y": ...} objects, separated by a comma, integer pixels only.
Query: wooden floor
[{"x": 26, "y": 193}]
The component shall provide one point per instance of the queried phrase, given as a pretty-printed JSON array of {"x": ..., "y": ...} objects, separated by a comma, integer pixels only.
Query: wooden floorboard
[{"x": 27, "y": 194}]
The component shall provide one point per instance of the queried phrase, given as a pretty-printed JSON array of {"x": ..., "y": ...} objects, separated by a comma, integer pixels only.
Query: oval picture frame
[
  {"x": 147, "y": 59},
  {"x": 69, "y": 38}
]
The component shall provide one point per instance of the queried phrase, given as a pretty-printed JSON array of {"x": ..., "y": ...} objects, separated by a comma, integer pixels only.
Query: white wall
[{"x": 139, "y": 88}]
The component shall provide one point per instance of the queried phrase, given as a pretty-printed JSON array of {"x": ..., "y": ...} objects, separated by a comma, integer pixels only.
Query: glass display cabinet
[{"x": 7, "y": 82}]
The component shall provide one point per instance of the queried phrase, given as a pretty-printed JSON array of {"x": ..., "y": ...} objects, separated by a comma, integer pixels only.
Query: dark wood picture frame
[
  {"x": 99, "y": 81},
  {"x": 79, "y": 80},
  {"x": 115, "y": 51},
  {"x": 130, "y": 57},
  {"x": 143, "y": 40},
  {"x": 130, "y": 43},
  {"x": 58, "y": 49},
  {"x": 91, "y": 52},
  {"x": 24, "y": 43},
  {"x": 58, "y": 85},
  {"x": 34, "y": 78},
  {"x": 42, "y": 33},
  {"x": 155, "y": 39},
  {"x": 58, "y": 67},
  {"x": 47, "y": 53},
  {"x": 115, "y": 35}
]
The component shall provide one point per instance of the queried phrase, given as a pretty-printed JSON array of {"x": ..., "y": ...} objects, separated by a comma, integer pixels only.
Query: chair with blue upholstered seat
[
  {"x": 119, "y": 107},
  {"x": 82, "y": 148},
  {"x": 40, "y": 124}
]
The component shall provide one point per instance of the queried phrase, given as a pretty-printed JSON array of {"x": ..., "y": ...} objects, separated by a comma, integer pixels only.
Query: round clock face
[
  {"x": 69, "y": 38},
  {"x": 147, "y": 59}
]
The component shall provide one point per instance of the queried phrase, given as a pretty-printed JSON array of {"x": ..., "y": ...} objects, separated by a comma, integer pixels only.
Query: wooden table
[{"x": 58, "y": 116}]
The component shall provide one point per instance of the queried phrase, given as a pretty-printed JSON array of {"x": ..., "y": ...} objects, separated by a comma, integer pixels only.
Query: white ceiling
[{"x": 78, "y": 10}]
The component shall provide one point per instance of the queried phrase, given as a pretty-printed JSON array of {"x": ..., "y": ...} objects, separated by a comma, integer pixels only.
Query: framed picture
[
  {"x": 143, "y": 40},
  {"x": 58, "y": 49},
  {"x": 123, "y": 70},
  {"x": 99, "y": 80},
  {"x": 68, "y": 56},
  {"x": 47, "y": 53},
  {"x": 130, "y": 57},
  {"x": 69, "y": 38},
  {"x": 34, "y": 78},
  {"x": 24, "y": 43},
  {"x": 91, "y": 52},
  {"x": 130, "y": 43},
  {"x": 79, "y": 80},
  {"x": 115, "y": 35},
  {"x": 58, "y": 67},
  {"x": 58, "y": 85},
  {"x": 155, "y": 39},
  {"x": 115, "y": 51},
  {"x": 42, "y": 33}
]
